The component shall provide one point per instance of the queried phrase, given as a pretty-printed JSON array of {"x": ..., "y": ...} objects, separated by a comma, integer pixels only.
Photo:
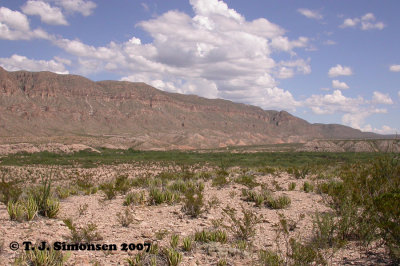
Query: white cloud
[
  {"x": 340, "y": 70},
  {"x": 384, "y": 130},
  {"x": 214, "y": 53},
  {"x": 313, "y": 14},
  {"x": 354, "y": 110},
  {"x": 329, "y": 42},
  {"x": 18, "y": 62},
  {"x": 15, "y": 26},
  {"x": 394, "y": 68},
  {"x": 336, "y": 84},
  {"x": 381, "y": 98},
  {"x": 366, "y": 22},
  {"x": 77, "y": 6},
  {"x": 48, "y": 14}
]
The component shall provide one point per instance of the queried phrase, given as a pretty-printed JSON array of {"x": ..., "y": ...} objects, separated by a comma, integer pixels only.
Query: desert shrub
[
  {"x": 257, "y": 198},
  {"x": 109, "y": 190},
  {"x": 270, "y": 258},
  {"x": 292, "y": 186},
  {"x": 304, "y": 254},
  {"x": 325, "y": 230},
  {"x": 307, "y": 187},
  {"x": 135, "y": 198},
  {"x": 366, "y": 202},
  {"x": 247, "y": 180},
  {"x": 267, "y": 170},
  {"x": 86, "y": 234},
  {"x": 222, "y": 262},
  {"x": 47, "y": 205},
  {"x": 82, "y": 208},
  {"x": 125, "y": 218},
  {"x": 85, "y": 183},
  {"x": 220, "y": 181},
  {"x": 9, "y": 191},
  {"x": 42, "y": 257},
  {"x": 141, "y": 181},
  {"x": 179, "y": 186},
  {"x": 159, "y": 196},
  {"x": 122, "y": 184},
  {"x": 160, "y": 234},
  {"x": 245, "y": 227},
  {"x": 205, "y": 236},
  {"x": 193, "y": 201}
]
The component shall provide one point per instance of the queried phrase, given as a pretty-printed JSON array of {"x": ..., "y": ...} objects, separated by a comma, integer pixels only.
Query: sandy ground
[{"x": 148, "y": 220}]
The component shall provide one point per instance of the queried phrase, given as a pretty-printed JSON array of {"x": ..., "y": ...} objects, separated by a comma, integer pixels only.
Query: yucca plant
[{"x": 187, "y": 243}]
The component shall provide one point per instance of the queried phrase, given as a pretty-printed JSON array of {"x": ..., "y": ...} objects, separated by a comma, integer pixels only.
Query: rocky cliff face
[{"x": 47, "y": 104}]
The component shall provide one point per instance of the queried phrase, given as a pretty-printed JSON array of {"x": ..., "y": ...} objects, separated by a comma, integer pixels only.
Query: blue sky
[{"x": 324, "y": 61}]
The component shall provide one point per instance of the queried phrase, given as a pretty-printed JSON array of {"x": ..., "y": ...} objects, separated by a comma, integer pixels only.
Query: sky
[{"x": 323, "y": 61}]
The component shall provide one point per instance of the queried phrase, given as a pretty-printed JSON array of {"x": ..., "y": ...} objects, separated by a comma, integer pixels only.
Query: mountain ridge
[{"x": 45, "y": 104}]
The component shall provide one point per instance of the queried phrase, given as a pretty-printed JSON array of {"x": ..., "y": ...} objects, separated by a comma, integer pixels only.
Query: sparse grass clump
[
  {"x": 210, "y": 236},
  {"x": 159, "y": 196},
  {"x": 308, "y": 187},
  {"x": 42, "y": 257},
  {"x": 266, "y": 198},
  {"x": 292, "y": 186},
  {"x": 187, "y": 243},
  {"x": 135, "y": 198}
]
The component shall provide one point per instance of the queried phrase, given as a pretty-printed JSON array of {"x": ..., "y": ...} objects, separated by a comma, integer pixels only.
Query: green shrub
[
  {"x": 270, "y": 258},
  {"x": 247, "y": 180},
  {"x": 46, "y": 204},
  {"x": 193, "y": 201},
  {"x": 220, "y": 181},
  {"x": 109, "y": 190},
  {"x": 307, "y": 187},
  {"x": 86, "y": 234},
  {"x": 305, "y": 254},
  {"x": 122, "y": 184},
  {"x": 135, "y": 198},
  {"x": 292, "y": 186}
]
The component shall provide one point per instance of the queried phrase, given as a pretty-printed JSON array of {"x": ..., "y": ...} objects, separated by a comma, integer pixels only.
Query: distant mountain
[{"x": 44, "y": 104}]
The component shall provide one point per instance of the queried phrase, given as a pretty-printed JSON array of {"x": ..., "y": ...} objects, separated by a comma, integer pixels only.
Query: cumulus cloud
[
  {"x": 48, "y": 14},
  {"x": 381, "y": 98},
  {"x": 214, "y": 53},
  {"x": 19, "y": 62},
  {"x": 394, "y": 68},
  {"x": 77, "y": 6},
  {"x": 14, "y": 25},
  {"x": 384, "y": 130},
  {"x": 340, "y": 70},
  {"x": 313, "y": 14},
  {"x": 366, "y": 22},
  {"x": 354, "y": 110},
  {"x": 336, "y": 84}
]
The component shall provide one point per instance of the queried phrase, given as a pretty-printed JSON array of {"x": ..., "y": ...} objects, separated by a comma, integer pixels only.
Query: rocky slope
[{"x": 43, "y": 104}]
